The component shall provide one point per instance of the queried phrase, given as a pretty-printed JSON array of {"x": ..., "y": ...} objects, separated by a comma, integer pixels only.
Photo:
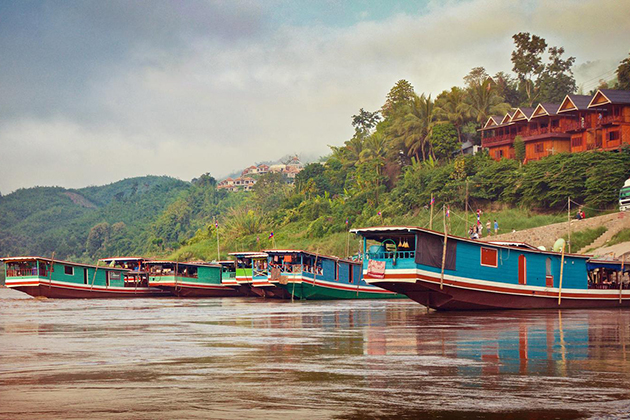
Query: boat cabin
[
  {"x": 250, "y": 266},
  {"x": 136, "y": 274}
]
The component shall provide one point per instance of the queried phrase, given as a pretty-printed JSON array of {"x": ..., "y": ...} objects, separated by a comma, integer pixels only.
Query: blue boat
[
  {"x": 309, "y": 276},
  {"x": 452, "y": 273}
]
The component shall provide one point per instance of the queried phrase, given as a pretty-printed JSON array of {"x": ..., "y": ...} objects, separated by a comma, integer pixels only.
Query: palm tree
[
  {"x": 375, "y": 154},
  {"x": 451, "y": 107},
  {"x": 413, "y": 127},
  {"x": 485, "y": 102}
]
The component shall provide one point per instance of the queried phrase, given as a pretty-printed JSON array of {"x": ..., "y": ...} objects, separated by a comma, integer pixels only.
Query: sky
[{"x": 92, "y": 92}]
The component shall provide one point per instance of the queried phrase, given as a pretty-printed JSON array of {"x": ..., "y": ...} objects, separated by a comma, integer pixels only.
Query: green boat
[
  {"x": 189, "y": 279},
  {"x": 45, "y": 277}
]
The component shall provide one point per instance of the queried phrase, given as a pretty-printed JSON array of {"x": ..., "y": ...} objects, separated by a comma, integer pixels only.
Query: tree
[
  {"x": 519, "y": 149},
  {"x": 400, "y": 95},
  {"x": 556, "y": 80},
  {"x": 451, "y": 107},
  {"x": 527, "y": 60},
  {"x": 413, "y": 126},
  {"x": 365, "y": 121},
  {"x": 269, "y": 191},
  {"x": 623, "y": 75},
  {"x": 444, "y": 140},
  {"x": 485, "y": 102},
  {"x": 476, "y": 76},
  {"x": 507, "y": 87},
  {"x": 97, "y": 238}
]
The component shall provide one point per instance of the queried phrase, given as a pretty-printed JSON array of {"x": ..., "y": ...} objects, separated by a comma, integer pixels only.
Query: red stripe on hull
[
  {"x": 56, "y": 292},
  {"x": 200, "y": 292},
  {"x": 450, "y": 298}
]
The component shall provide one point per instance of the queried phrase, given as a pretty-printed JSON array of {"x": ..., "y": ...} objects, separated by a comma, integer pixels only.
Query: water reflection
[{"x": 241, "y": 357}]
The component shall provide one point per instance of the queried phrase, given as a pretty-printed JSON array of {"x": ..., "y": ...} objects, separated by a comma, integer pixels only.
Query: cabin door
[{"x": 522, "y": 269}]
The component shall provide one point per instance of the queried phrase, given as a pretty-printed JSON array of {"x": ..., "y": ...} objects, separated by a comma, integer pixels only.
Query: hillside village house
[
  {"x": 579, "y": 123},
  {"x": 246, "y": 183}
]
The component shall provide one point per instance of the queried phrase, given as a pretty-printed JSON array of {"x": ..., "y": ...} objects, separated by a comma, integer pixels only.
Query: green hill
[{"x": 43, "y": 220}]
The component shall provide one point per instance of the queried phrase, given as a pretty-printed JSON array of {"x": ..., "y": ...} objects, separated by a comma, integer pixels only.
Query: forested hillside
[{"x": 84, "y": 223}]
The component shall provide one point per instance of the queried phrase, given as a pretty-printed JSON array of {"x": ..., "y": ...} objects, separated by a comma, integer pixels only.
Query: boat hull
[
  {"x": 59, "y": 290},
  {"x": 195, "y": 290},
  {"x": 457, "y": 296},
  {"x": 307, "y": 289}
]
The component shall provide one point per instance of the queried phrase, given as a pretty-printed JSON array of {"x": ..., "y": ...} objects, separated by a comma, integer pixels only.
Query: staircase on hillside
[{"x": 614, "y": 227}]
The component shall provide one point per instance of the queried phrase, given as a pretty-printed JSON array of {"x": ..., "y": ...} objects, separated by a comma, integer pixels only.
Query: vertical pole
[
  {"x": 52, "y": 264},
  {"x": 218, "y": 248},
  {"x": 623, "y": 260},
  {"x": 561, "y": 273},
  {"x": 466, "y": 226},
  {"x": 569, "y": 220},
  {"x": 443, "y": 249},
  {"x": 94, "y": 276},
  {"x": 431, "y": 216},
  {"x": 348, "y": 244}
]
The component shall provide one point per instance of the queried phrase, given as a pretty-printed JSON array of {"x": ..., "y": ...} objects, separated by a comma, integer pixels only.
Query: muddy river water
[{"x": 254, "y": 358}]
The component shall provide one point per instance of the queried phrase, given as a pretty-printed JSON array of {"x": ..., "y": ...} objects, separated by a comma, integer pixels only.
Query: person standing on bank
[{"x": 496, "y": 227}]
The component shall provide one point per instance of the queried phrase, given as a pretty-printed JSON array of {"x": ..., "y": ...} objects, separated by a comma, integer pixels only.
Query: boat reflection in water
[{"x": 261, "y": 358}]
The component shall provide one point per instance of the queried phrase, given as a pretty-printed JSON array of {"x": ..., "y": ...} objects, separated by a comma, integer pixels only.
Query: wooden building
[{"x": 579, "y": 123}]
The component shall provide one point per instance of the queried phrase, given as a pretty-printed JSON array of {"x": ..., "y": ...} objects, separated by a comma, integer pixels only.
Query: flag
[
  {"x": 346, "y": 221},
  {"x": 379, "y": 213},
  {"x": 216, "y": 224},
  {"x": 432, "y": 201},
  {"x": 448, "y": 211},
  {"x": 271, "y": 235}
]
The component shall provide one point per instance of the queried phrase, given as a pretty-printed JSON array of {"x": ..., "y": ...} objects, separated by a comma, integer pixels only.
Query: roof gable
[
  {"x": 610, "y": 96},
  {"x": 522, "y": 114},
  {"x": 507, "y": 118}
]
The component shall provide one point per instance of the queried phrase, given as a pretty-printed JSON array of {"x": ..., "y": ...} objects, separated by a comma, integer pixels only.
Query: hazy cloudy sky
[{"x": 92, "y": 92}]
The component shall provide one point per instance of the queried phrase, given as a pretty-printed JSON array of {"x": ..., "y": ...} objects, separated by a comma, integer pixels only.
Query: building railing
[
  {"x": 26, "y": 272},
  {"x": 389, "y": 255}
]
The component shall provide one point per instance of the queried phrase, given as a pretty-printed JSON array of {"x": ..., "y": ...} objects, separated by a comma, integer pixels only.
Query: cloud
[{"x": 184, "y": 88}]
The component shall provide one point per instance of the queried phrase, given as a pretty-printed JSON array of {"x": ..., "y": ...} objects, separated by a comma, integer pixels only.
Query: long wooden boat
[
  {"x": 453, "y": 273},
  {"x": 45, "y": 277},
  {"x": 310, "y": 276},
  {"x": 189, "y": 279},
  {"x": 251, "y": 274}
]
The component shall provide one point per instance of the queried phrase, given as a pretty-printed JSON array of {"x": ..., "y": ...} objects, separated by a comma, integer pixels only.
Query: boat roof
[
  {"x": 516, "y": 244},
  {"x": 314, "y": 254},
  {"x": 610, "y": 264},
  {"x": 249, "y": 254},
  {"x": 380, "y": 233},
  {"x": 190, "y": 263},
  {"x": 29, "y": 259},
  {"x": 115, "y": 259}
]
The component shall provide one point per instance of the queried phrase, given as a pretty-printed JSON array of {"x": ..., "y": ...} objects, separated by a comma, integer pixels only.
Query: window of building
[
  {"x": 576, "y": 142},
  {"x": 68, "y": 270},
  {"x": 489, "y": 257},
  {"x": 539, "y": 148},
  {"x": 555, "y": 123},
  {"x": 613, "y": 135}
]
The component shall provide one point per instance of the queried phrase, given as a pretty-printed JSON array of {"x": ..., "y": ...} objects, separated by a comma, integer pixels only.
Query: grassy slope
[{"x": 293, "y": 235}]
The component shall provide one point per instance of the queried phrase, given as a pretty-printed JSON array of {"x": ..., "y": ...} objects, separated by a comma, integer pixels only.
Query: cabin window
[
  {"x": 576, "y": 142},
  {"x": 350, "y": 274},
  {"x": 539, "y": 148},
  {"x": 68, "y": 270},
  {"x": 613, "y": 135},
  {"x": 489, "y": 257},
  {"x": 548, "y": 276}
]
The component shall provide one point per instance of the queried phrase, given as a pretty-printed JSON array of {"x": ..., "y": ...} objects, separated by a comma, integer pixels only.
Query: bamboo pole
[
  {"x": 218, "y": 248},
  {"x": 52, "y": 264},
  {"x": 315, "y": 268},
  {"x": 569, "y": 220},
  {"x": 466, "y": 226},
  {"x": 623, "y": 260},
  {"x": 443, "y": 249},
  {"x": 94, "y": 276},
  {"x": 431, "y": 215},
  {"x": 561, "y": 273}
]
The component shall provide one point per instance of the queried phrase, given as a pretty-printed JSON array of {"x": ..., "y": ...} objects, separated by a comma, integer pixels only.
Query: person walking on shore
[{"x": 496, "y": 227}]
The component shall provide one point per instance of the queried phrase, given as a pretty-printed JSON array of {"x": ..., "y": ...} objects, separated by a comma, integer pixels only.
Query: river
[{"x": 253, "y": 358}]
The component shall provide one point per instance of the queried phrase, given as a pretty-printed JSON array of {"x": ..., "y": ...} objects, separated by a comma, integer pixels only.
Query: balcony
[{"x": 488, "y": 141}]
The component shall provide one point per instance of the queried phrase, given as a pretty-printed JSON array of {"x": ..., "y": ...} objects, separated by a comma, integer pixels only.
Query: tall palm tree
[
  {"x": 451, "y": 107},
  {"x": 413, "y": 127},
  {"x": 484, "y": 101}
]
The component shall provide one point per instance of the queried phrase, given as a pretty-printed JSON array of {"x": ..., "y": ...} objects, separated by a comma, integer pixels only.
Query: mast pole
[
  {"x": 561, "y": 273},
  {"x": 431, "y": 216},
  {"x": 443, "y": 248},
  {"x": 569, "y": 220}
]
